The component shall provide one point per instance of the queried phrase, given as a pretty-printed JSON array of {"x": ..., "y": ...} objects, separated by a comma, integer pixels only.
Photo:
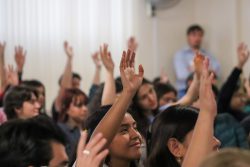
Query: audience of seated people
[{"x": 127, "y": 121}]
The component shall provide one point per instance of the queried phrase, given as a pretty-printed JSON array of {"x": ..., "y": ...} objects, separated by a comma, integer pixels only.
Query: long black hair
[
  {"x": 174, "y": 122},
  {"x": 138, "y": 112}
]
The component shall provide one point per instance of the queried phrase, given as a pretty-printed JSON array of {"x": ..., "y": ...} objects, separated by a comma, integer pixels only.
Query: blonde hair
[{"x": 228, "y": 158}]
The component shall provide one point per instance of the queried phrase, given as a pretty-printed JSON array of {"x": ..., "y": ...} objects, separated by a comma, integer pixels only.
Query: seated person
[
  {"x": 21, "y": 102},
  {"x": 166, "y": 94},
  {"x": 41, "y": 143}
]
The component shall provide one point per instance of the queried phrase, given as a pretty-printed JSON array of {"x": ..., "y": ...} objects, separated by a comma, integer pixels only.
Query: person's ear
[
  {"x": 18, "y": 111},
  {"x": 176, "y": 148}
]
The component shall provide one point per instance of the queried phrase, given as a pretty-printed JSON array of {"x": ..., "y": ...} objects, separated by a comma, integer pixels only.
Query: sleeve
[
  {"x": 180, "y": 67},
  {"x": 92, "y": 91},
  {"x": 227, "y": 90}
]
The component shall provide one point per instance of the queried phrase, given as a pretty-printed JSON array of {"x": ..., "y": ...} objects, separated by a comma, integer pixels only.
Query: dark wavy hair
[
  {"x": 68, "y": 98},
  {"x": 174, "y": 122},
  {"x": 14, "y": 99}
]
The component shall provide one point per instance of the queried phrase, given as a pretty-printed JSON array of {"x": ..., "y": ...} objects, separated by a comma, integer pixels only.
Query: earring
[{"x": 179, "y": 160}]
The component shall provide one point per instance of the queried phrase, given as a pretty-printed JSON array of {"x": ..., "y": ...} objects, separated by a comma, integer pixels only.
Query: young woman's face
[
  {"x": 78, "y": 111},
  {"x": 238, "y": 101},
  {"x": 167, "y": 98},
  {"x": 147, "y": 98},
  {"x": 29, "y": 108},
  {"x": 127, "y": 142}
]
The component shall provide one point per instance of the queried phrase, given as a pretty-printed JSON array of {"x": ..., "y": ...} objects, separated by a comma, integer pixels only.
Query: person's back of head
[
  {"x": 173, "y": 123},
  {"x": 32, "y": 142},
  {"x": 228, "y": 158}
]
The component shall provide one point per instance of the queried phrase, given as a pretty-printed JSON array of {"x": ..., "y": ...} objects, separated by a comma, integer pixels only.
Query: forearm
[
  {"x": 110, "y": 124},
  {"x": 227, "y": 90},
  {"x": 192, "y": 94},
  {"x": 97, "y": 77},
  {"x": 201, "y": 142},
  {"x": 59, "y": 98},
  {"x": 67, "y": 75},
  {"x": 109, "y": 91}
]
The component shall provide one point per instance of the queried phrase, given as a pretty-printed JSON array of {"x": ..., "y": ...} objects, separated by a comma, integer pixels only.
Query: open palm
[
  {"x": 130, "y": 80},
  {"x": 106, "y": 58}
]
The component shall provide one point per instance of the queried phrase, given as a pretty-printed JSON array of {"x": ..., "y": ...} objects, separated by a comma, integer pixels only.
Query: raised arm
[
  {"x": 203, "y": 135},
  {"x": 228, "y": 87},
  {"x": 97, "y": 62},
  {"x": 110, "y": 123},
  {"x": 109, "y": 93},
  {"x": 66, "y": 82},
  {"x": 193, "y": 91},
  {"x": 97, "y": 76},
  {"x": 2, "y": 77},
  {"x": 20, "y": 57}
]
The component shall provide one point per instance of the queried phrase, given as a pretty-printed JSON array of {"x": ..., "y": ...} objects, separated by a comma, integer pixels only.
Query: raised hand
[
  {"x": 96, "y": 60},
  {"x": 132, "y": 44},
  {"x": 198, "y": 63},
  {"x": 68, "y": 50},
  {"x": 243, "y": 55},
  {"x": 11, "y": 76},
  {"x": 130, "y": 80},
  {"x": 206, "y": 95},
  {"x": 89, "y": 155},
  {"x": 20, "y": 56},
  {"x": 164, "y": 77},
  {"x": 106, "y": 58}
]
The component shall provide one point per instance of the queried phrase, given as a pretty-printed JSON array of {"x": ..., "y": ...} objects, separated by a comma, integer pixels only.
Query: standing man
[{"x": 183, "y": 59}]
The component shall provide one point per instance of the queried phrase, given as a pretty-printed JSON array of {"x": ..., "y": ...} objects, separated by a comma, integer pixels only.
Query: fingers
[
  {"x": 99, "y": 146},
  {"x": 128, "y": 61},
  {"x": 94, "y": 141},
  {"x": 99, "y": 158},
  {"x": 205, "y": 67},
  {"x": 128, "y": 57},
  {"x": 141, "y": 70},
  {"x": 132, "y": 60},
  {"x": 123, "y": 61},
  {"x": 82, "y": 142},
  {"x": 105, "y": 54}
]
